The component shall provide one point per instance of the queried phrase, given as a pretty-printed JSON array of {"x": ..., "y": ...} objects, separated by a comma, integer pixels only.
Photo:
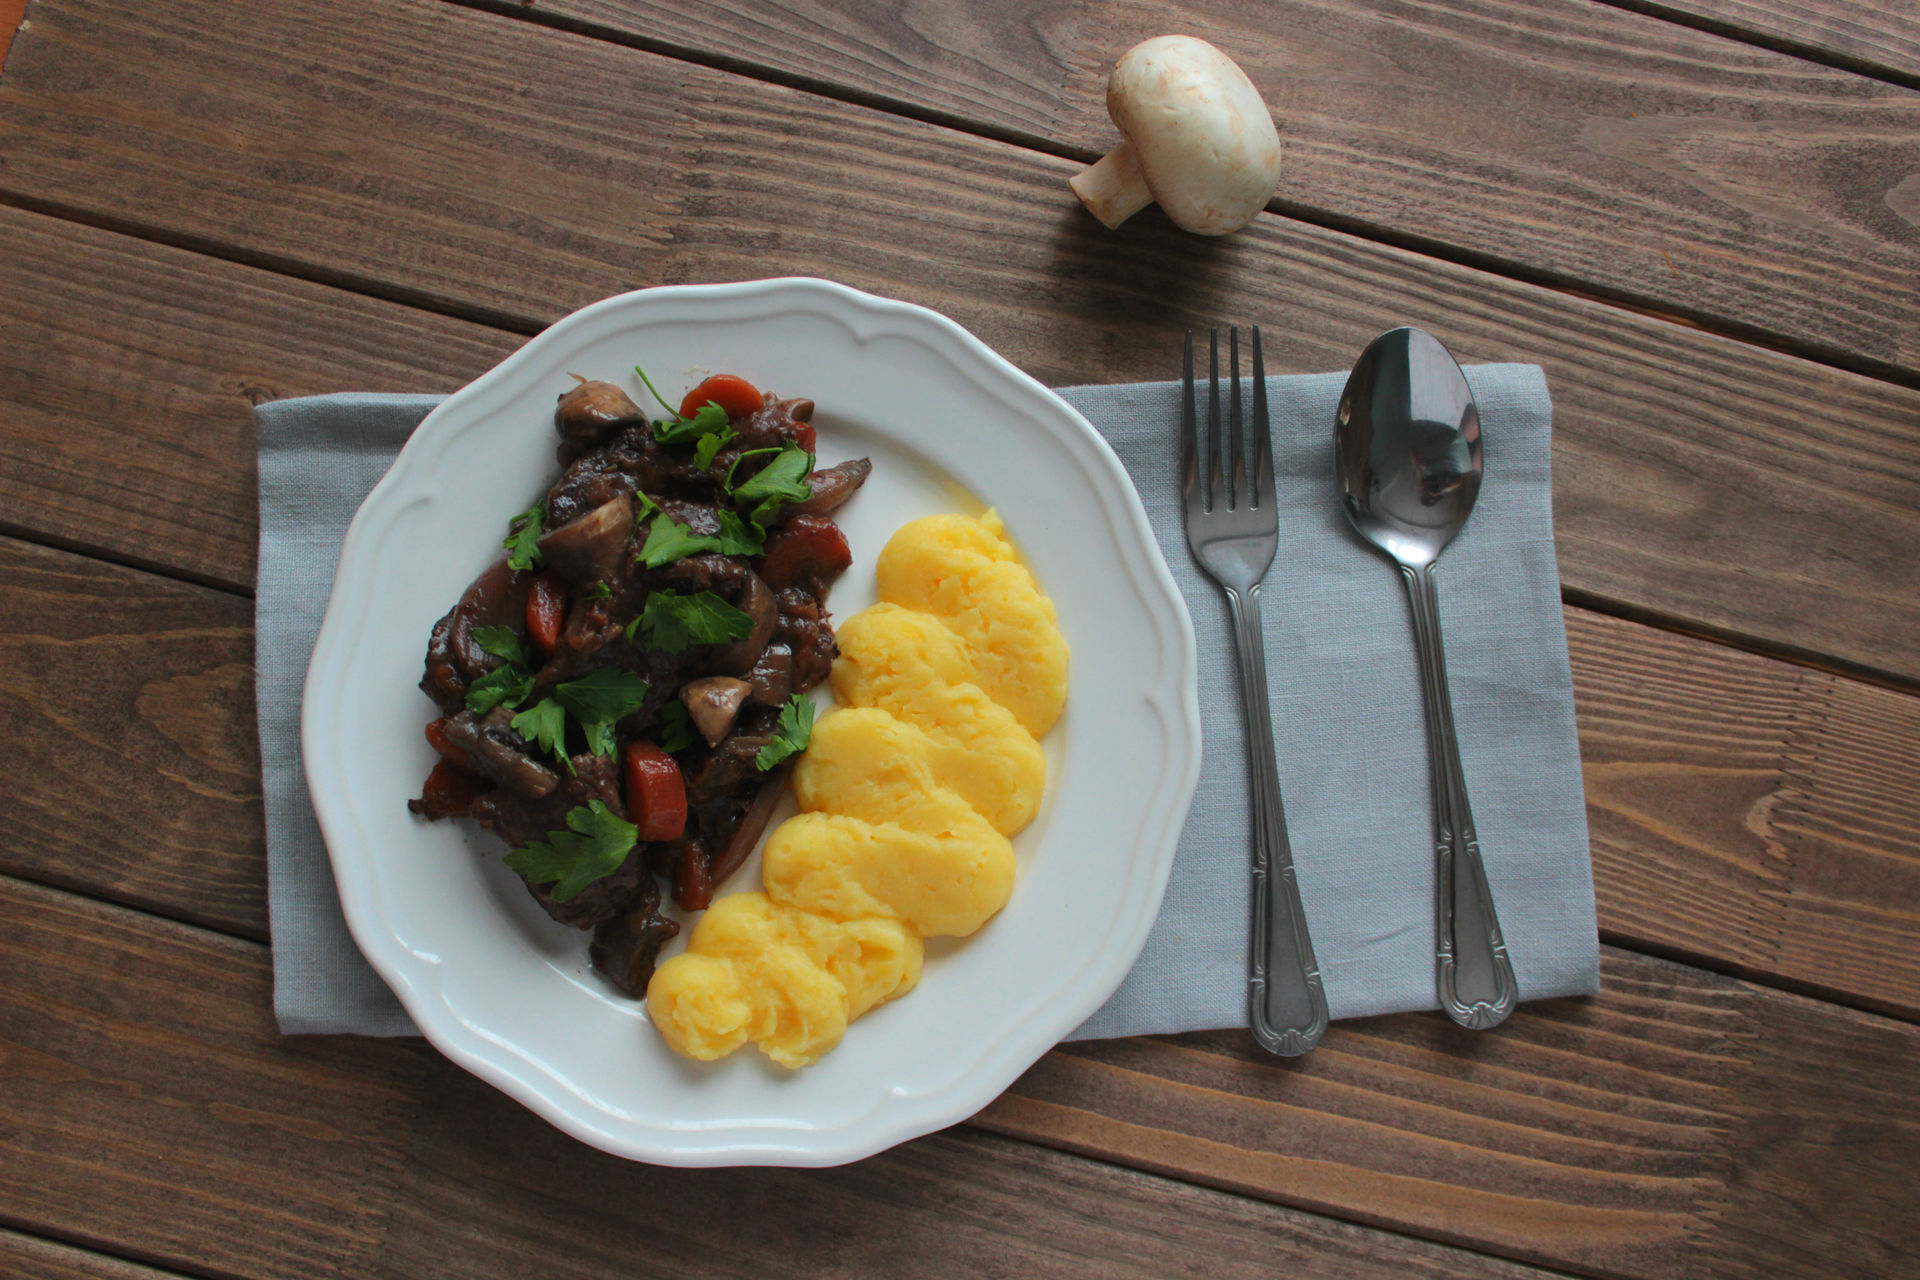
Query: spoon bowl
[{"x": 1407, "y": 446}]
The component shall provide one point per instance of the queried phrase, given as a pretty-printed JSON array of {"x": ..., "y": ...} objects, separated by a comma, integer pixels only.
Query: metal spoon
[{"x": 1407, "y": 448}]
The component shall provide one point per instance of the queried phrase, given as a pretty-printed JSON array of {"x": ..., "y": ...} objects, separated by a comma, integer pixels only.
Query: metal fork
[{"x": 1233, "y": 528}]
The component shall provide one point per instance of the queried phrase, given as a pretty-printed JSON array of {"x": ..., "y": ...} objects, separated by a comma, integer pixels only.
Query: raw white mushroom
[{"x": 1198, "y": 139}]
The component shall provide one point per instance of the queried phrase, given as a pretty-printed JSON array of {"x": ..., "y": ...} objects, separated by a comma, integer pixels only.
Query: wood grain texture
[
  {"x": 24, "y": 1257},
  {"x": 1652, "y": 1131},
  {"x": 132, "y": 766},
  {"x": 151, "y": 1099},
  {"x": 128, "y": 376},
  {"x": 526, "y": 172},
  {"x": 1875, "y": 37},
  {"x": 1574, "y": 140},
  {"x": 1746, "y": 813},
  {"x": 1764, "y": 814}
]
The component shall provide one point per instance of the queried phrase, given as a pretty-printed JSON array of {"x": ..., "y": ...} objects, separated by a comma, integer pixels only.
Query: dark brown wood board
[
  {"x": 1685, "y": 171},
  {"x": 1702, "y": 480},
  {"x": 155, "y": 1102},
  {"x": 24, "y": 1257},
  {"x": 1680, "y": 1124}
]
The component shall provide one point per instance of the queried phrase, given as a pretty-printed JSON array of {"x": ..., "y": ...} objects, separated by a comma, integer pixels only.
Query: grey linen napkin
[{"x": 1346, "y": 705}]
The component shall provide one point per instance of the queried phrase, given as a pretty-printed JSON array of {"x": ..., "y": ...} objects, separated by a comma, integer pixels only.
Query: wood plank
[
  {"x": 151, "y": 1100},
  {"x": 1874, "y": 37},
  {"x": 24, "y": 1257},
  {"x": 1723, "y": 486},
  {"x": 128, "y": 377},
  {"x": 132, "y": 761},
  {"x": 1763, "y": 192},
  {"x": 1747, "y": 814},
  {"x": 1657, "y": 1130},
  {"x": 1756, "y": 815}
]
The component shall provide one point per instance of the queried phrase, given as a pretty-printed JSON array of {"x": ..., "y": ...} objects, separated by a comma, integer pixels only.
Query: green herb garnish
[
  {"x": 501, "y": 642},
  {"x": 671, "y": 622},
  {"x": 708, "y": 420},
  {"x": 523, "y": 538},
  {"x": 599, "y": 591},
  {"x": 598, "y": 701},
  {"x": 791, "y": 733},
  {"x": 593, "y": 847},
  {"x": 545, "y": 725},
  {"x": 504, "y": 686},
  {"x": 676, "y": 727}
]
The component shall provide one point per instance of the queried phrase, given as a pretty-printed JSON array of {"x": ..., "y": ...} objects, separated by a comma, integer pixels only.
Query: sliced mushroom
[
  {"x": 757, "y": 601},
  {"x": 494, "y": 749},
  {"x": 713, "y": 703},
  {"x": 591, "y": 548},
  {"x": 832, "y": 486},
  {"x": 590, "y": 413},
  {"x": 1197, "y": 138}
]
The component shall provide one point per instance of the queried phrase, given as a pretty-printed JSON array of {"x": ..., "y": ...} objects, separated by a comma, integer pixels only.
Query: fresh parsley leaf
[
  {"x": 738, "y": 538},
  {"x": 501, "y": 642},
  {"x": 708, "y": 419},
  {"x": 791, "y": 734},
  {"x": 593, "y": 847},
  {"x": 508, "y": 685},
  {"x": 710, "y": 444},
  {"x": 643, "y": 508},
  {"x": 676, "y": 727},
  {"x": 669, "y": 540},
  {"x": 599, "y": 700},
  {"x": 599, "y": 591},
  {"x": 523, "y": 538},
  {"x": 779, "y": 482},
  {"x": 671, "y": 622},
  {"x": 545, "y": 725}
]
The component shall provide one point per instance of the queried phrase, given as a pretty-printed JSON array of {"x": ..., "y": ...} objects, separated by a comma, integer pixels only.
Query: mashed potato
[
  {"x": 964, "y": 572},
  {"x": 908, "y": 796}
]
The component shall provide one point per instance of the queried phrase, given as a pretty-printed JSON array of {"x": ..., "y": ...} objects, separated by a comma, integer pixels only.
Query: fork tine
[
  {"x": 1216, "y": 438},
  {"x": 1262, "y": 431},
  {"x": 1237, "y": 494},
  {"x": 1189, "y": 443}
]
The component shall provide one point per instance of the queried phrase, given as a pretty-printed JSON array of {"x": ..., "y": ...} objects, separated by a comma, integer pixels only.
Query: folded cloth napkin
[{"x": 1346, "y": 706}]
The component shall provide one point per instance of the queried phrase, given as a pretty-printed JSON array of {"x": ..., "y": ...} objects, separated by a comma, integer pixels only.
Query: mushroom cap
[{"x": 1204, "y": 139}]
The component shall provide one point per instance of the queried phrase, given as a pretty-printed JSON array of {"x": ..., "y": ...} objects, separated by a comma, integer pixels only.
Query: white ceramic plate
[{"x": 509, "y": 995}]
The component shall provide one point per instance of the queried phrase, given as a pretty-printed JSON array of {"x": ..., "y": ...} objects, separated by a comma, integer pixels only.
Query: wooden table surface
[{"x": 1701, "y": 216}]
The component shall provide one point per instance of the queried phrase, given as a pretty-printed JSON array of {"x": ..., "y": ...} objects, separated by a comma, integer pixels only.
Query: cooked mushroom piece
[
  {"x": 752, "y": 823},
  {"x": 1196, "y": 137},
  {"x": 494, "y": 750},
  {"x": 713, "y": 703},
  {"x": 757, "y": 601},
  {"x": 590, "y": 548},
  {"x": 832, "y": 486},
  {"x": 590, "y": 413},
  {"x": 772, "y": 677}
]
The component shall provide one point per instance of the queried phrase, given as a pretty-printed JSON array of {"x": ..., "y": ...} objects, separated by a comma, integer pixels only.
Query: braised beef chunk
[
  {"x": 698, "y": 653},
  {"x": 625, "y": 947}
]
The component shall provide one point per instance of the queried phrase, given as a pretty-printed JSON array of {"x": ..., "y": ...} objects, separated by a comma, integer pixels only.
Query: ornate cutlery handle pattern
[
  {"x": 1286, "y": 1000},
  {"x": 1474, "y": 972}
]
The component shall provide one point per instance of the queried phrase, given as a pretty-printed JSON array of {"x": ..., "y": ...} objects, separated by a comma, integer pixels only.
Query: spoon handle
[
  {"x": 1475, "y": 975},
  {"x": 1286, "y": 1001}
]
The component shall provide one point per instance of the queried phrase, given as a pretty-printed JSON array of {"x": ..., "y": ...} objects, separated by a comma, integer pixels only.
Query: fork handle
[
  {"x": 1475, "y": 975},
  {"x": 1286, "y": 1001}
]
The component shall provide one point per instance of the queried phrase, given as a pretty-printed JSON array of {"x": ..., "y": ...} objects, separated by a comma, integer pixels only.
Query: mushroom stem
[{"x": 1113, "y": 188}]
